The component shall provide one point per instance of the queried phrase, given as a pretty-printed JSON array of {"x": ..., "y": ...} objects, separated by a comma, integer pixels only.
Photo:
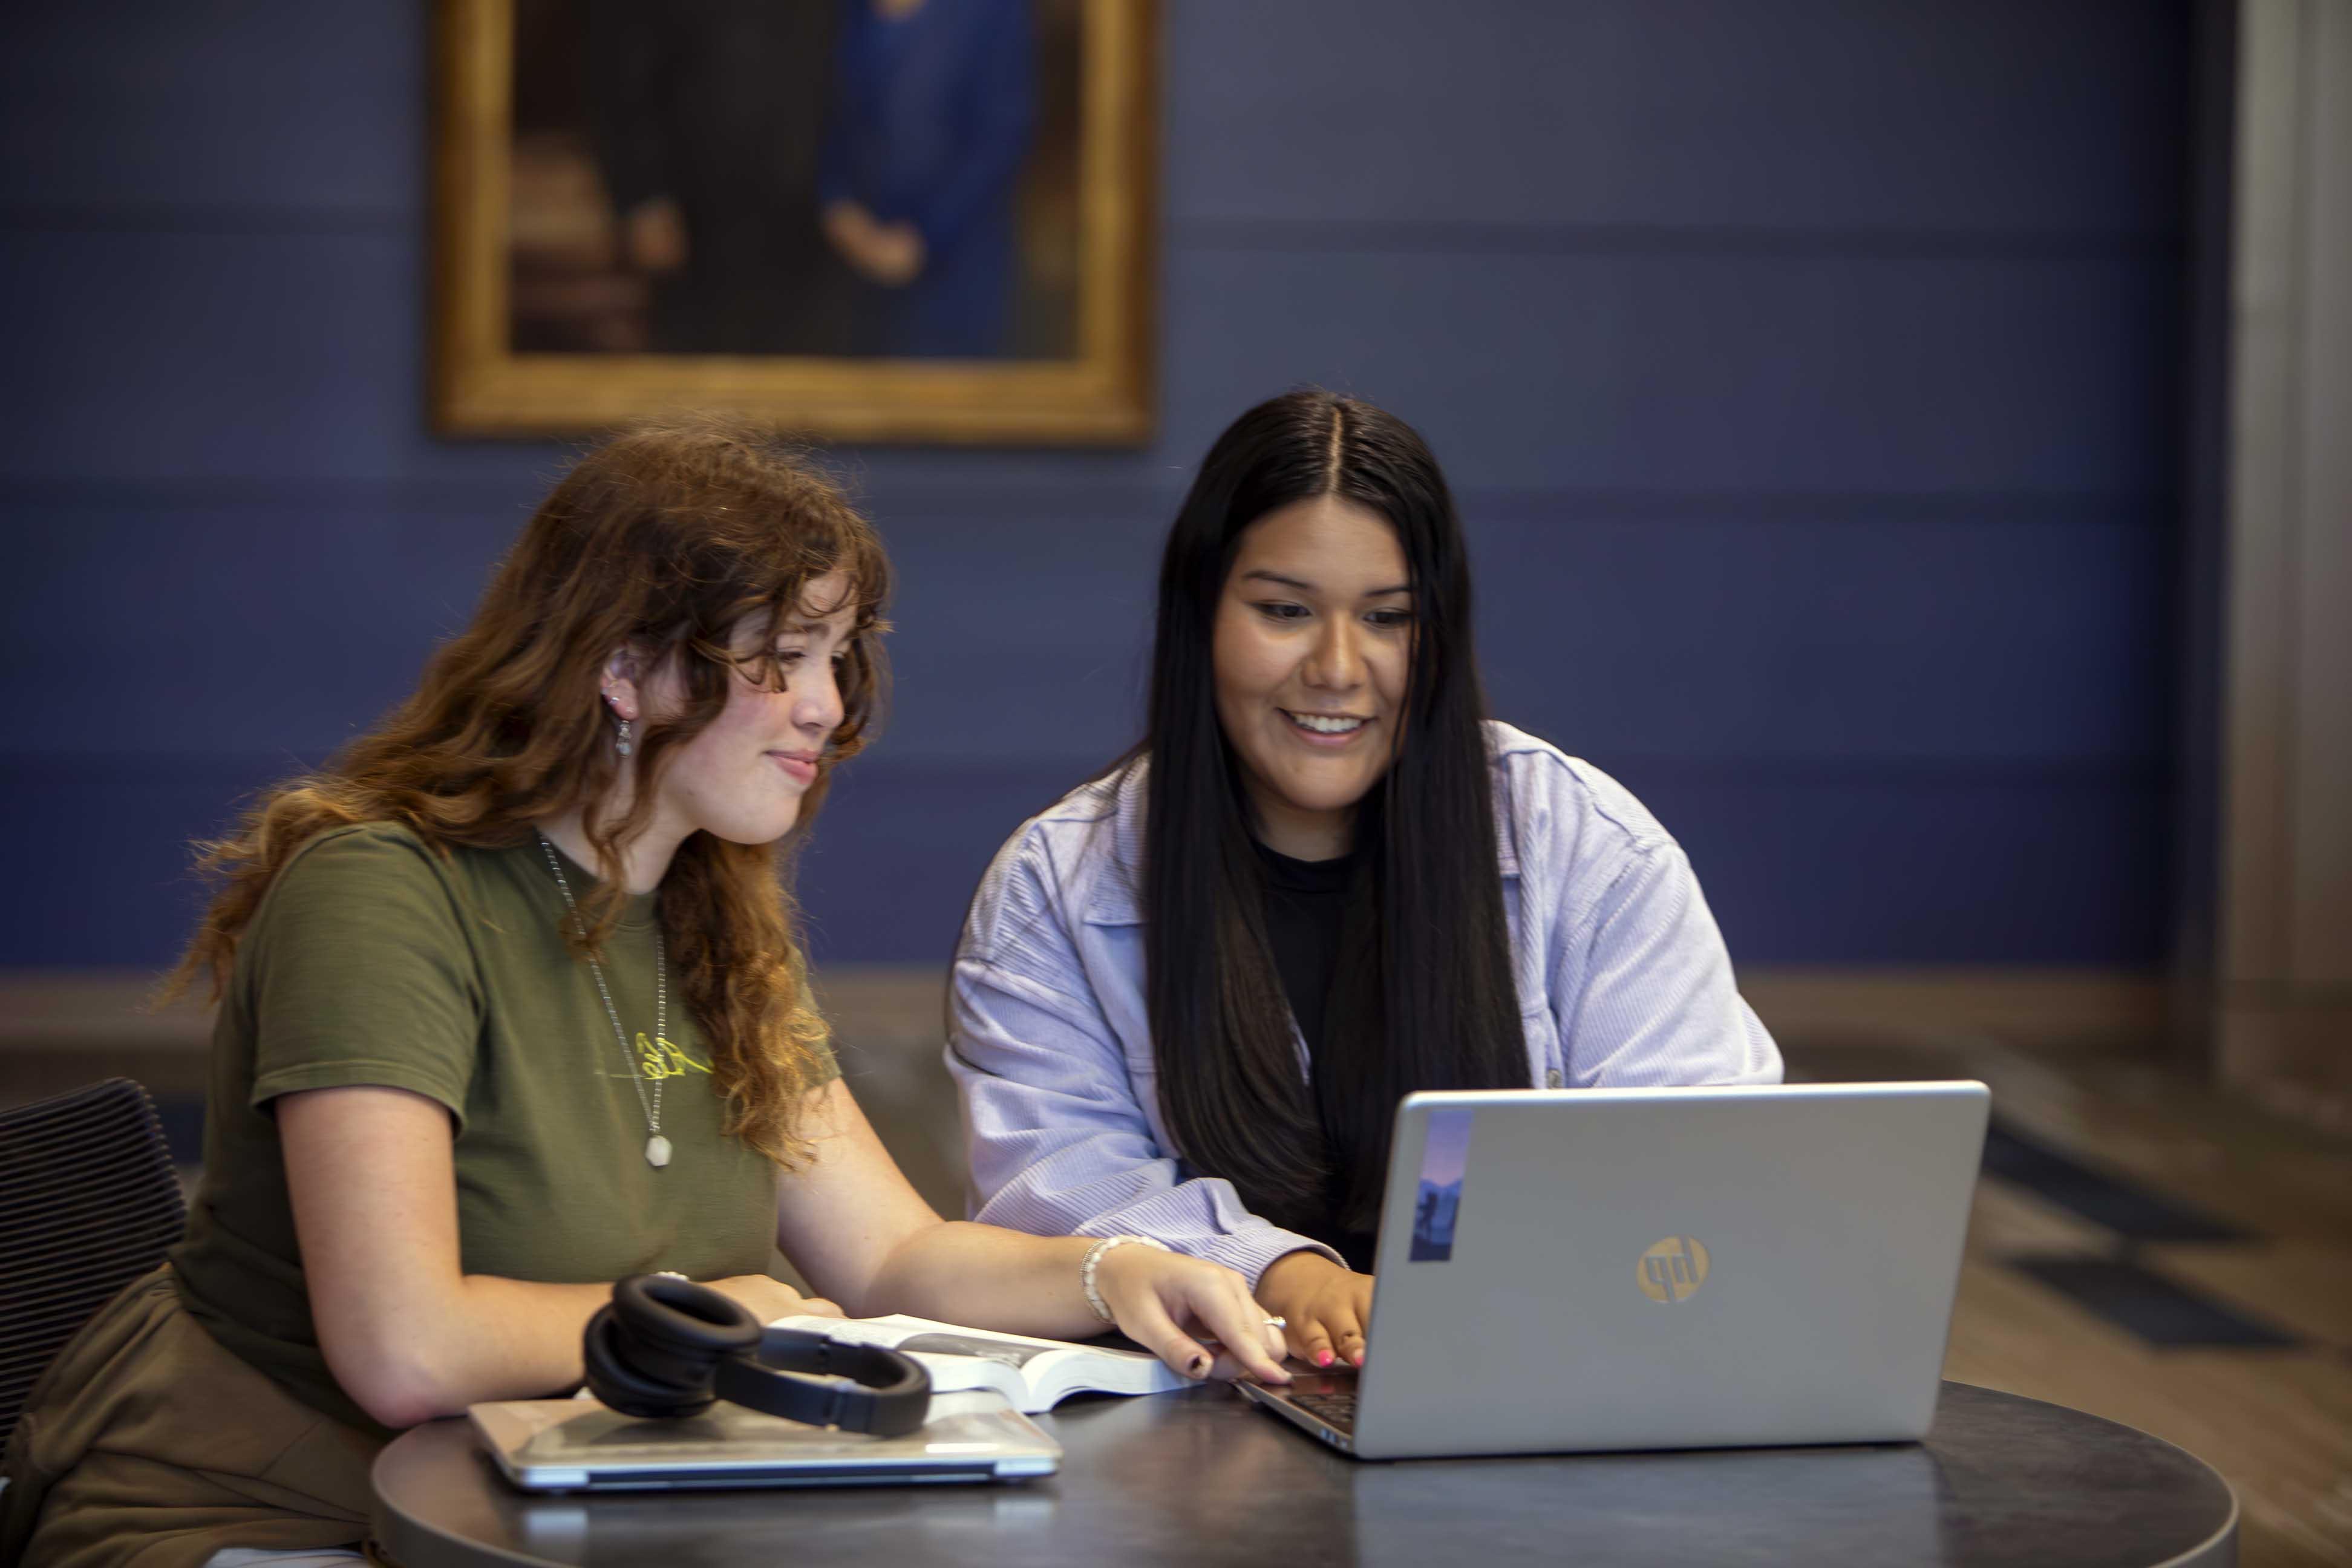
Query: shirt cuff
[{"x": 1253, "y": 1252}]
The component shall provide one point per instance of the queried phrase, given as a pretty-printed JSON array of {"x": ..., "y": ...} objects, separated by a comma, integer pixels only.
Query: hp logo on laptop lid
[{"x": 1671, "y": 1269}]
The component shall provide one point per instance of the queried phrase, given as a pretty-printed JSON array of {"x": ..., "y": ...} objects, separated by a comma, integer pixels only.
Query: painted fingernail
[
  {"x": 1358, "y": 1358},
  {"x": 1322, "y": 1358},
  {"x": 1198, "y": 1366}
]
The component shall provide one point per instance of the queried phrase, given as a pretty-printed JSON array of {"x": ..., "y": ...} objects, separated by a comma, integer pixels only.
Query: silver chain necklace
[{"x": 656, "y": 1146}]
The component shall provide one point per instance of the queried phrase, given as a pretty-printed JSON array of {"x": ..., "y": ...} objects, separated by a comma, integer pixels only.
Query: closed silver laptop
[
  {"x": 578, "y": 1445},
  {"x": 1563, "y": 1270}
]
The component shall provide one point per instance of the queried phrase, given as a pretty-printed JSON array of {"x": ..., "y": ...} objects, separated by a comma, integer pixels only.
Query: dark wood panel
[
  {"x": 1936, "y": 643},
  {"x": 1868, "y": 867},
  {"x": 299, "y": 356},
  {"x": 1726, "y": 374},
  {"x": 1836, "y": 866},
  {"x": 1024, "y": 626},
  {"x": 262, "y": 109},
  {"x": 1957, "y": 116}
]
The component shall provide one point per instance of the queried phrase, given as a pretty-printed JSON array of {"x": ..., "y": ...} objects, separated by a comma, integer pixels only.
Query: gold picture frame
[{"x": 481, "y": 385}]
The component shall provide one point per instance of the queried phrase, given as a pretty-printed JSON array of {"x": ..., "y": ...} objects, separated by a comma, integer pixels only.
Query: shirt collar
[{"x": 1118, "y": 895}]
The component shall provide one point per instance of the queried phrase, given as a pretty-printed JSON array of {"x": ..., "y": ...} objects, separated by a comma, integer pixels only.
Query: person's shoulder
[
  {"x": 1064, "y": 860},
  {"x": 1547, "y": 799},
  {"x": 364, "y": 865},
  {"x": 1061, "y": 835},
  {"x": 362, "y": 850},
  {"x": 353, "y": 884}
]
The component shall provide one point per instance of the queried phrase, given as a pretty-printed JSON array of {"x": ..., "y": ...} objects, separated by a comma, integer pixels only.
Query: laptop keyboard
[{"x": 1337, "y": 1410}]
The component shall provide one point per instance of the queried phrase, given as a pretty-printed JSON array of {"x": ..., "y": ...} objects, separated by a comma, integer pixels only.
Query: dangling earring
[{"x": 622, "y": 744}]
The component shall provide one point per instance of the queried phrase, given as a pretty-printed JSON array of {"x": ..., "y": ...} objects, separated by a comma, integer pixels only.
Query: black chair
[{"x": 89, "y": 1202}]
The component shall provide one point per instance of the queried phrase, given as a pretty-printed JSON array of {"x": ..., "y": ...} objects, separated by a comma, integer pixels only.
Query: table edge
[
  {"x": 2196, "y": 1556},
  {"x": 2218, "y": 1550}
]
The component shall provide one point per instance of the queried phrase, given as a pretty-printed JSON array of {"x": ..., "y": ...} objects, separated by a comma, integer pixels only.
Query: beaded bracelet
[{"x": 1094, "y": 1258}]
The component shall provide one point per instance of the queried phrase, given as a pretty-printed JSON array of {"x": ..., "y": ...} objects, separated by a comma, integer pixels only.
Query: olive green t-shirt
[{"x": 374, "y": 960}]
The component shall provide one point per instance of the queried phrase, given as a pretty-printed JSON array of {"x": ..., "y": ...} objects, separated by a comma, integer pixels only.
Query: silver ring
[{"x": 1277, "y": 1323}]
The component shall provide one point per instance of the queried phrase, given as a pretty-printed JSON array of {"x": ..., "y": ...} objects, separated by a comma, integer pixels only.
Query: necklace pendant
[{"x": 657, "y": 1151}]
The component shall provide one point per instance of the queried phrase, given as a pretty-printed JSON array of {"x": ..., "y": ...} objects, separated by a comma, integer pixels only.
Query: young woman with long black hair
[
  {"x": 1188, "y": 997},
  {"x": 513, "y": 1006}
]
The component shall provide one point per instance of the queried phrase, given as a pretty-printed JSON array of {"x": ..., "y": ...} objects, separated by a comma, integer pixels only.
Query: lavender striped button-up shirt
[{"x": 1622, "y": 981}]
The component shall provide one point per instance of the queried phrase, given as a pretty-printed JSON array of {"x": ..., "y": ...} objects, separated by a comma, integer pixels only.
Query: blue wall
[{"x": 1807, "y": 370}]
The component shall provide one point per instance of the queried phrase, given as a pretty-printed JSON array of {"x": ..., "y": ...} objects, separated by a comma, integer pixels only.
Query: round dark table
[{"x": 1202, "y": 1478}]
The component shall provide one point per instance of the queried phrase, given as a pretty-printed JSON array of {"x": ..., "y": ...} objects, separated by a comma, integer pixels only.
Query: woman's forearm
[
  {"x": 988, "y": 1278},
  {"x": 1179, "y": 1308},
  {"x": 412, "y": 1359},
  {"x": 864, "y": 1238},
  {"x": 495, "y": 1338}
]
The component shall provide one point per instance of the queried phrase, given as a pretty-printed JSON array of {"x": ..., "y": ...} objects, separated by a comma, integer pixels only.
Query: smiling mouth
[{"x": 1326, "y": 723}]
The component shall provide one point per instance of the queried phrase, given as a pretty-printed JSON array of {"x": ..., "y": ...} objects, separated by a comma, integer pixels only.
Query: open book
[{"x": 1033, "y": 1374}]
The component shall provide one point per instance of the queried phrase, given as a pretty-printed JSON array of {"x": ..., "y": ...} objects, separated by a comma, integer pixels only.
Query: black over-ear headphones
[{"x": 664, "y": 1346}]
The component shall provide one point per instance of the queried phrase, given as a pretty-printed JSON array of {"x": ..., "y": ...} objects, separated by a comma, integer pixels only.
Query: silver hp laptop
[
  {"x": 1563, "y": 1270},
  {"x": 578, "y": 1445}
]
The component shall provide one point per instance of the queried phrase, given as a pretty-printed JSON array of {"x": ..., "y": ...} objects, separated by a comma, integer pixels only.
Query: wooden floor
[{"x": 2277, "y": 1422}]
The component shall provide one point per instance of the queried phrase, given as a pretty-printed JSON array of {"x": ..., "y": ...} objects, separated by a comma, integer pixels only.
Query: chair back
[{"x": 89, "y": 1202}]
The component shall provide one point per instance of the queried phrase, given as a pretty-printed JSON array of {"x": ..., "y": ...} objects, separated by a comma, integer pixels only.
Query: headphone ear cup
[
  {"x": 674, "y": 1329},
  {"x": 653, "y": 1350},
  {"x": 621, "y": 1386}
]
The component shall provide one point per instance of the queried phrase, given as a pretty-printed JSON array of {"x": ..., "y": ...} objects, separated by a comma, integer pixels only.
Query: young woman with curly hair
[{"x": 511, "y": 1006}]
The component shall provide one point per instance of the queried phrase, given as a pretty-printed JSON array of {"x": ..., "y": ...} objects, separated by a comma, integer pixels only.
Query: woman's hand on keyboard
[{"x": 1324, "y": 1306}]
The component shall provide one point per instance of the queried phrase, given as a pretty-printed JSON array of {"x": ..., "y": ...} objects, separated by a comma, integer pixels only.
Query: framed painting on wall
[{"x": 865, "y": 220}]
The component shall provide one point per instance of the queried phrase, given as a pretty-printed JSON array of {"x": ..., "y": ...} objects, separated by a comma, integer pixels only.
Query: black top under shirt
[{"x": 1304, "y": 902}]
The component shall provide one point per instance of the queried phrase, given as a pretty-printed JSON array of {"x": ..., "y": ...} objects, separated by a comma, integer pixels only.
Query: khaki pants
[{"x": 146, "y": 1444}]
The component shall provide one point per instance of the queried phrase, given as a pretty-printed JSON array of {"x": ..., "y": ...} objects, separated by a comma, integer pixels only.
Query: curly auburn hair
[{"x": 663, "y": 539}]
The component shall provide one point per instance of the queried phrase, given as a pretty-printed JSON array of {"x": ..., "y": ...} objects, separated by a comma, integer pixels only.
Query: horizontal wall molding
[
  {"x": 1840, "y": 771},
  {"x": 99, "y": 1011},
  {"x": 1737, "y": 375},
  {"x": 1835, "y": 866},
  {"x": 1434, "y": 236},
  {"x": 166, "y": 502},
  {"x": 2030, "y": 1007},
  {"x": 240, "y": 220},
  {"x": 169, "y": 499},
  {"x": 1470, "y": 236},
  {"x": 2104, "y": 509},
  {"x": 1881, "y": 768},
  {"x": 78, "y": 1009}
]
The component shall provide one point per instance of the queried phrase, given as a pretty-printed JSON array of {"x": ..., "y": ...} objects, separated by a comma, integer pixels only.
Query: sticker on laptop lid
[{"x": 1437, "y": 1207}]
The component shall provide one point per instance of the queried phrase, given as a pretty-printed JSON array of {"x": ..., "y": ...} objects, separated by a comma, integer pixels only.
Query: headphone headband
[
  {"x": 864, "y": 1388},
  {"x": 665, "y": 1347}
]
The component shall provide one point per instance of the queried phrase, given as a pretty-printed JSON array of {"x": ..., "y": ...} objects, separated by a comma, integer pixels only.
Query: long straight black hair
[{"x": 1424, "y": 1000}]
